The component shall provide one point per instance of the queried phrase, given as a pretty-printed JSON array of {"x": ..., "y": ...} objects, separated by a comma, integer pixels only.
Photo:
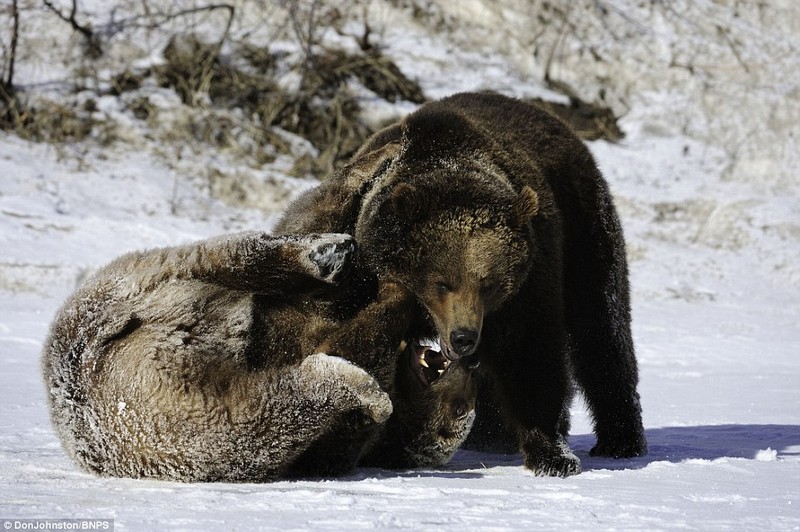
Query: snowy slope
[{"x": 714, "y": 245}]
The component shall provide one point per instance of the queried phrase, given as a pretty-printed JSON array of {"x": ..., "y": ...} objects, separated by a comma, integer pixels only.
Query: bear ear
[
  {"x": 404, "y": 201},
  {"x": 526, "y": 206}
]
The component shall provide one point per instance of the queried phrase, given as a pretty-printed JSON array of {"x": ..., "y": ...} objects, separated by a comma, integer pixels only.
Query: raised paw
[{"x": 330, "y": 256}]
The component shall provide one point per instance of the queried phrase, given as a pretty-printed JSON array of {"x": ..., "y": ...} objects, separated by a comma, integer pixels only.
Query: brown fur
[{"x": 495, "y": 217}]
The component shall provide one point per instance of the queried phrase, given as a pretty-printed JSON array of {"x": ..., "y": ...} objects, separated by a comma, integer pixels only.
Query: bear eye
[{"x": 443, "y": 288}]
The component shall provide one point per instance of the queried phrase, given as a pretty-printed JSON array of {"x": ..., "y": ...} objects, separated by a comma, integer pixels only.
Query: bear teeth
[
  {"x": 428, "y": 360},
  {"x": 430, "y": 364},
  {"x": 441, "y": 363}
]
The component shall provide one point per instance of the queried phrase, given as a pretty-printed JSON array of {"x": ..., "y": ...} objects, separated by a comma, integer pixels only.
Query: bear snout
[{"x": 464, "y": 341}]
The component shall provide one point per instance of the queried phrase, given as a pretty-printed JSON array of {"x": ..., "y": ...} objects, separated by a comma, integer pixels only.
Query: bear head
[
  {"x": 429, "y": 421},
  {"x": 439, "y": 415},
  {"x": 454, "y": 233}
]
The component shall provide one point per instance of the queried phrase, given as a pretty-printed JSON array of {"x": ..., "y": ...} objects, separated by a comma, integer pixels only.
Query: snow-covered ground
[{"x": 714, "y": 243}]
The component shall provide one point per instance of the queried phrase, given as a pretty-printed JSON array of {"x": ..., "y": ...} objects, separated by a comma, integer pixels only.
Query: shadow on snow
[{"x": 669, "y": 444}]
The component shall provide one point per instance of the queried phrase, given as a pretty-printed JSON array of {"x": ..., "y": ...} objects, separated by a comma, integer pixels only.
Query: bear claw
[
  {"x": 561, "y": 466},
  {"x": 544, "y": 456}
]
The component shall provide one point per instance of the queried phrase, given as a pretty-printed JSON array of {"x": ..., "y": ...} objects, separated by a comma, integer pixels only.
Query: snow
[{"x": 713, "y": 227}]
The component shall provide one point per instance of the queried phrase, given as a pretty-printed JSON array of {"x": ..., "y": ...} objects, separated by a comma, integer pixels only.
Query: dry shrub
[
  {"x": 128, "y": 80},
  {"x": 323, "y": 111},
  {"x": 326, "y": 112},
  {"x": 376, "y": 72},
  {"x": 235, "y": 102},
  {"x": 45, "y": 121}
]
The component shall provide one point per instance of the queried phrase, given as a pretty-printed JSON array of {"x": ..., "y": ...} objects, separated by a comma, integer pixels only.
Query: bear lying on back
[
  {"x": 202, "y": 363},
  {"x": 492, "y": 213}
]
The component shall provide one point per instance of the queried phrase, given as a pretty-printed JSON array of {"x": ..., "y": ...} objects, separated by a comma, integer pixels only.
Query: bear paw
[
  {"x": 561, "y": 465},
  {"x": 545, "y": 457},
  {"x": 361, "y": 391},
  {"x": 622, "y": 448},
  {"x": 330, "y": 256}
]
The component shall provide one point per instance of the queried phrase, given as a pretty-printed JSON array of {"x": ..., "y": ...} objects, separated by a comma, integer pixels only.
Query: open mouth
[{"x": 429, "y": 359}]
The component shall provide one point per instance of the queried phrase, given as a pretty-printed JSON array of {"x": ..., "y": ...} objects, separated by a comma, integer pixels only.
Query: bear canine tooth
[{"x": 423, "y": 362}]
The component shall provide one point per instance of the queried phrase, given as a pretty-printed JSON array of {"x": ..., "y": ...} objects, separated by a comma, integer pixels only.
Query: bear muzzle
[{"x": 464, "y": 341}]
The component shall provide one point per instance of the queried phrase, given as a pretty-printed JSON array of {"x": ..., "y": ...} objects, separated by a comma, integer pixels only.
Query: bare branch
[
  {"x": 725, "y": 33},
  {"x": 305, "y": 33},
  {"x": 9, "y": 82},
  {"x": 561, "y": 32},
  {"x": 91, "y": 39},
  {"x": 154, "y": 18}
]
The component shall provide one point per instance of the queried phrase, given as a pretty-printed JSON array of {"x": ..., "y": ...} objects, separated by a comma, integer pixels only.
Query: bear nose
[{"x": 464, "y": 341}]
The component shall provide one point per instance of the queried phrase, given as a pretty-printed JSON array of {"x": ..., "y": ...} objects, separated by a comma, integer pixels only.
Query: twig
[
  {"x": 305, "y": 36},
  {"x": 724, "y": 32},
  {"x": 604, "y": 8},
  {"x": 561, "y": 32},
  {"x": 156, "y": 18},
  {"x": 209, "y": 7},
  {"x": 86, "y": 31},
  {"x": 9, "y": 83}
]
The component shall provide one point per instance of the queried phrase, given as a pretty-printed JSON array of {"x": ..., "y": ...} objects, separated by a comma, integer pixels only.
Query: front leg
[
  {"x": 276, "y": 266},
  {"x": 524, "y": 358},
  {"x": 372, "y": 339},
  {"x": 535, "y": 400}
]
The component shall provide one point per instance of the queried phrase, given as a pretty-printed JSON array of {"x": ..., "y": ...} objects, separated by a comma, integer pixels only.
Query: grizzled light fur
[
  {"x": 147, "y": 372},
  {"x": 196, "y": 363}
]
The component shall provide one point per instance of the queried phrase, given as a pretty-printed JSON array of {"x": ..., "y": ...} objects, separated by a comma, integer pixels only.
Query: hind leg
[
  {"x": 311, "y": 420},
  {"x": 599, "y": 323},
  {"x": 338, "y": 449},
  {"x": 230, "y": 425}
]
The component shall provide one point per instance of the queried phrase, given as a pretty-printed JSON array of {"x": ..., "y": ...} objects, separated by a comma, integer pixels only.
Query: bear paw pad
[{"x": 331, "y": 256}]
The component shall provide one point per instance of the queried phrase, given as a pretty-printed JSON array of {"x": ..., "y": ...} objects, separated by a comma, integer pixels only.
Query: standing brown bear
[{"x": 493, "y": 214}]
